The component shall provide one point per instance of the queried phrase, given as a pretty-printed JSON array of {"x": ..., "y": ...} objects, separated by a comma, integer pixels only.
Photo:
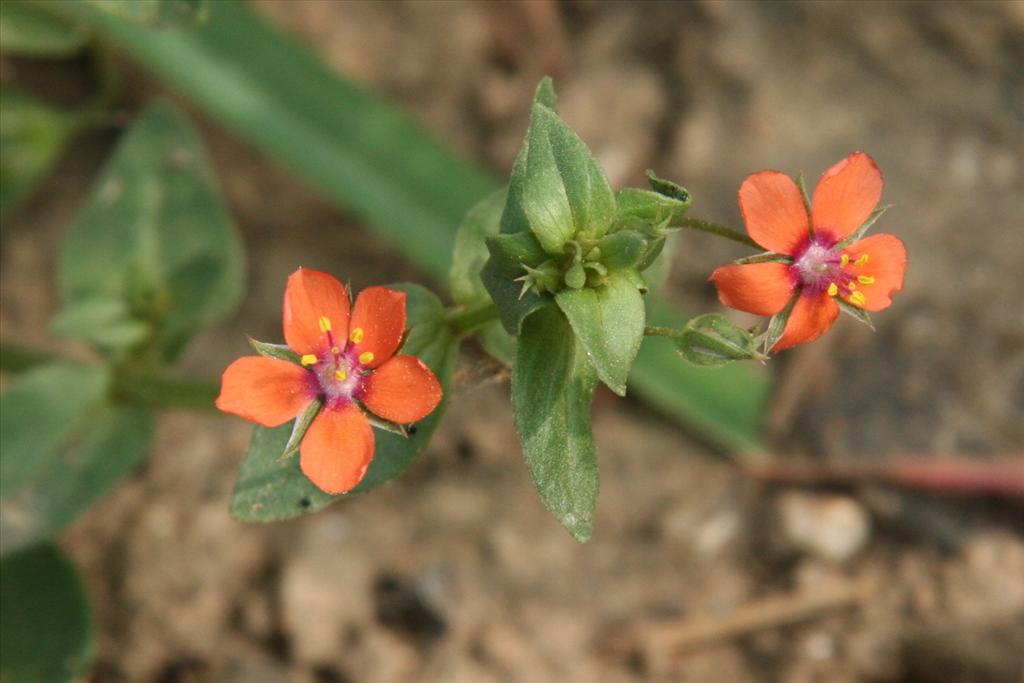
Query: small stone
[{"x": 830, "y": 527}]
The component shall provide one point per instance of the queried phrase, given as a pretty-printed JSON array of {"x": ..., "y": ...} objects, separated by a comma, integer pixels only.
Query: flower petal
[
  {"x": 759, "y": 288},
  {"x": 337, "y": 449},
  {"x": 846, "y": 195},
  {"x": 810, "y": 318},
  {"x": 310, "y": 296},
  {"x": 378, "y": 322},
  {"x": 881, "y": 272},
  {"x": 403, "y": 390},
  {"x": 773, "y": 211},
  {"x": 265, "y": 390}
]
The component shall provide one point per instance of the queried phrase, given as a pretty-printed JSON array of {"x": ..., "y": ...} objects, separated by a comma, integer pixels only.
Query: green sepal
[
  {"x": 859, "y": 232},
  {"x": 300, "y": 426},
  {"x": 652, "y": 208},
  {"x": 801, "y": 183},
  {"x": 668, "y": 188},
  {"x": 545, "y": 94},
  {"x": 386, "y": 425},
  {"x": 763, "y": 257},
  {"x": 777, "y": 325},
  {"x": 46, "y": 625},
  {"x": 857, "y": 313},
  {"x": 279, "y": 351},
  {"x": 509, "y": 254},
  {"x": 557, "y": 189},
  {"x": 552, "y": 387},
  {"x": 711, "y": 340},
  {"x": 622, "y": 249},
  {"x": 609, "y": 323}
]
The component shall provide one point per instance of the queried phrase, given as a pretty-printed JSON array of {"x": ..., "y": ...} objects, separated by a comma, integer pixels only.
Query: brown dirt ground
[{"x": 455, "y": 572}]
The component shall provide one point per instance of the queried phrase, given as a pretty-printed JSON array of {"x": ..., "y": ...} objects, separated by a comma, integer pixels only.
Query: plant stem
[
  {"x": 465, "y": 321},
  {"x": 717, "y": 229}
]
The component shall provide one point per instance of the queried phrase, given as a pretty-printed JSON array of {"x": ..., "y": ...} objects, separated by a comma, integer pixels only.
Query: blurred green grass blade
[
  {"x": 27, "y": 29},
  {"x": 45, "y": 625},
  {"x": 366, "y": 155},
  {"x": 359, "y": 150}
]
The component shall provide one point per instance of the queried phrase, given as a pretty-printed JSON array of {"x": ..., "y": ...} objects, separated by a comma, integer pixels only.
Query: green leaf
[
  {"x": 279, "y": 351},
  {"x": 156, "y": 12},
  {"x": 105, "y": 323},
  {"x": 503, "y": 271},
  {"x": 545, "y": 94},
  {"x": 552, "y": 387},
  {"x": 711, "y": 340},
  {"x": 557, "y": 189},
  {"x": 271, "y": 487},
  {"x": 27, "y": 29},
  {"x": 41, "y": 409},
  {"x": 32, "y": 137},
  {"x": 498, "y": 342},
  {"x": 622, "y": 249},
  {"x": 668, "y": 188},
  {"x": 45, "y": 625},
  {"x": 609, "y": 323},
  {"x": 111, "y": 443},
  {"x": 154, "y": 238},
  {"x": 471, "y": 254}
]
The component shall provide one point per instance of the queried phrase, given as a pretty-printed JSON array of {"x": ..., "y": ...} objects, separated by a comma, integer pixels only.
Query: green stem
[
  {"x": 159, "y": 391},
  {"x": 465, "y": 321},
  {"x": 717, "y": 229},
  {"x": 16, "y": 358},
  {"x": 655, "y": 331}
]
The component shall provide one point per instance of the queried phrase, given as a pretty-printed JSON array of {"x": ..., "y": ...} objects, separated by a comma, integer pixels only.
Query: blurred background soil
[{"x": 455, "y": 572}]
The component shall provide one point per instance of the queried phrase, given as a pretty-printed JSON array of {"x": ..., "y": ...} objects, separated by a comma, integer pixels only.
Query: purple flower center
[
  {"x": 817, "y": 265},
  {"x": 341, "y": 370}
]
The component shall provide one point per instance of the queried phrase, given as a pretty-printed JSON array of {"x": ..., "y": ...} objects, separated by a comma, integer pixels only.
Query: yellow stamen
[
  {"x": 852, "y": 285},
  {"x": 356, "y": 335},
  {"x": 335, "y": 350},
  {"x": 366, "y": 357},
  {"x": 325, "y": 324},
  {"x": 866, "y": 279},
  {"x": 858, "y": 298},
  {"x": 308, "y": 359},
  {"x": 844, "y": 260},
  {"x": 861, "y": 260},
  {"x": 833, "y": 289},
  {"x": 340, "y": 375}
]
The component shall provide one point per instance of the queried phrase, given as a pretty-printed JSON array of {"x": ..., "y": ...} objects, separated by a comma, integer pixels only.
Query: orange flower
[
  {"x": 819, "y": 267},
  {"x": 346, "y": 360}
]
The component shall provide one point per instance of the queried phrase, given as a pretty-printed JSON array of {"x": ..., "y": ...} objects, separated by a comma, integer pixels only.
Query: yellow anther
[
  {"x": 833, "y": 289},
  {"x": 865, "y": 279},
  {"x": 340, "y": 375},
  {"x": 308, "y": 359},
  {"x": 325, "y": 324},
  {"x": 356, "y": 335},
  {"x": 861, "y": 260},
  {"x": 857, "y": 298},
  {"x": 852, "y": 286},
  {"x": 335, "y": 350},
  {"x": 844, "y": 260},
  {"x": 366, "y": 357}
]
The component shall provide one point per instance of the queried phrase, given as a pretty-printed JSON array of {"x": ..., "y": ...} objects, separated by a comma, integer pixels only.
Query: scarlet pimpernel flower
[
  {"x": 821, "y": 258},
  {"x": 347, "y": 361}
]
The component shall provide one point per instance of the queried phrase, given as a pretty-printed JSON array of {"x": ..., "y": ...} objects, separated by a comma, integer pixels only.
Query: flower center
[
  {"x": 341, "y": 369},
  {"x": 820, "y": 267}
]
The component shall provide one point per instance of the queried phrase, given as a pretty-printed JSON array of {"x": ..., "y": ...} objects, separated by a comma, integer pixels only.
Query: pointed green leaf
[
  {"x": 32, "y": 137},
  {"x": 154, "y": 236},
  {"x": 777, "y": 324},
  {"x": 111, "y": 442},
  {"x": 609, "y": 323},
  {"x": 45, "y": 625},
  {"x": 552, "y": 388},
  {"x": 764, "y": 257},
  {"x": 271, "y": 487},
  {"x": 501, "y": 275},
  {"x": 300, "y": 426},
  {"x": 156, "y": 12},
  {"x": 859, "y": 232},
  {"x": 545, "y": 93},
  {"x": 856, "y": 312},
  {"x": 41, "y": 410},
  {"x": 27, "y": 29}
]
